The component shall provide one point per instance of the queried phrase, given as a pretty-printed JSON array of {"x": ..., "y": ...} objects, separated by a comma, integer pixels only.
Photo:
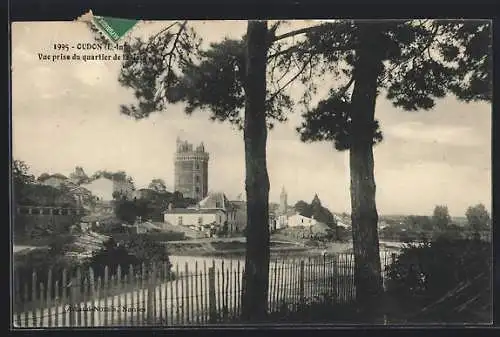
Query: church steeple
[{"x": 283, "y": 201}]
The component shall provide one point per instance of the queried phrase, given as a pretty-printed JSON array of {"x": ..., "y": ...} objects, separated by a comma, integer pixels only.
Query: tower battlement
[{"x": 191, "y": 170}]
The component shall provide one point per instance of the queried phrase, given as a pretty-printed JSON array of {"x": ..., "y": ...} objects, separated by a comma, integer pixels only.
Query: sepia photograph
[{"x": 232, "y": 173}]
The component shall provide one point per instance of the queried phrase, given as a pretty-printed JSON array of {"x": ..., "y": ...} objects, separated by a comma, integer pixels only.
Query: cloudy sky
[{"x": 66, "y": 114}]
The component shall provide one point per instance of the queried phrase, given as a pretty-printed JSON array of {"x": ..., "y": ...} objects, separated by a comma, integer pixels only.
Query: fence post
[
  {"x": 211, "y": 296},
  {"x": 72, "y": 297},
  {"x": 150, "y": 292},
  {"x": 301, "y": 283}
]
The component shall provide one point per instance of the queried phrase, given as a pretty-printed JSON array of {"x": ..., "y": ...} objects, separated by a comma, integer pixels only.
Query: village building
[
  {"x": 298, "y": 220},
  {"x": 195, "y": 217},
  {"x": 105, "y": 189}
]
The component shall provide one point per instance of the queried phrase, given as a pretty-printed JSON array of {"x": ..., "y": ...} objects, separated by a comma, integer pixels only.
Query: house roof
[
  {"x": 55, "y": 175},
  {"x": 192, "y": 211},
  {"x": 216, "y": 200}
]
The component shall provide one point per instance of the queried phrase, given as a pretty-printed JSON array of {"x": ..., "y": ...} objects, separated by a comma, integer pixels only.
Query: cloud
[{"x": 438, "y": 134}]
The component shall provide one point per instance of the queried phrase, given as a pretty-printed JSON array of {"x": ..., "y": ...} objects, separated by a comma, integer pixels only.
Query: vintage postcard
[{"x": 209, "y": 173}]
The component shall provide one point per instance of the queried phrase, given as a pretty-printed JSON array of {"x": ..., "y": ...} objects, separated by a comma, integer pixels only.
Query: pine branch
[
  {"x": 170, "y": 55},
  {"x": 295, "y": 33},
  {"x": 292, "y": 79},
  {"x": 412, "y": 58}
]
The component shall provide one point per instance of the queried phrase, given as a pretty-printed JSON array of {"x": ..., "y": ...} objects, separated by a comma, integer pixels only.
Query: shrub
[
  {"x": 111, "y": 255},
  {"x": 424, "y": 273},
  {"x": 135, "y": 251}
]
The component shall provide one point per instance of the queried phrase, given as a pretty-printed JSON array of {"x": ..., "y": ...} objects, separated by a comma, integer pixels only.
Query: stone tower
[
  {"x": 191, "y": 170},
  {"x": 283, "y": 201}
]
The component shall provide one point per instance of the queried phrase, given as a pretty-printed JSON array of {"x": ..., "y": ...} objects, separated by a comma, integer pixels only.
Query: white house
[
  {"x": 197, "y": 217},
  {"x": 103, "y": 188},
  {"x": 282, "y": 219},
  {"x": 298, "y": 220}
]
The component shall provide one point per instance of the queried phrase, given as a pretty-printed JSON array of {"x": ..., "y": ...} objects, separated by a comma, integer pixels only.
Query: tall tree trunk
[
  {"x": 256, "y": 278},
  {"x": 364, "y": 215}
]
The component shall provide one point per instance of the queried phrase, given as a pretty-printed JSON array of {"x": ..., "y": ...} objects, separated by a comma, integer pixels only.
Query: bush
[
  {"x": 136, "y": 251},
  {"x": 343, "y": 234},
  {"x": 111, "y": 255},
  {"x": 319, "y": 309},
  {"x": 424, "y": 273}
]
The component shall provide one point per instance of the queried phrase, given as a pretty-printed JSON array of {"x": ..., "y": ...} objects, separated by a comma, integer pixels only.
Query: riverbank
[{"x": 235, "y": 247}]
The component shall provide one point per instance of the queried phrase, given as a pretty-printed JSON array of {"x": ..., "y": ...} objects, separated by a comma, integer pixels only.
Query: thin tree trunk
[
  {"x": 364, "y": 215},
  {"x": 254, "y": 306}
]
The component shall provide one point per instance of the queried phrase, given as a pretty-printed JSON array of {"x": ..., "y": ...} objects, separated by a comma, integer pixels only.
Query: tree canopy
[
  {"x": 441, "y": 217},
  {"x": 316, "y": 210},
  {"x": 158, "y": 185},
  {"x": 420, "y": 61},
  {"x": 478, "y": 217}
]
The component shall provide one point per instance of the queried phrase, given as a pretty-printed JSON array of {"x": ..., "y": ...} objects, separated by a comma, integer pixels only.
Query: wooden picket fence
[{"x": 193, "y": 294}]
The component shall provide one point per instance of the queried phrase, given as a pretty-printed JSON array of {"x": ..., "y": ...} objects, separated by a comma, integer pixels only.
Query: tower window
[
  {"x": 197, "y": 179},
  {"x": 196, "y": 166},
  {"x": 197, "y": 189}
]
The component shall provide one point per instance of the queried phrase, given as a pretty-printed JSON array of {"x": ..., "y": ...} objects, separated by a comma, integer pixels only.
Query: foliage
[
  {"x": 42, "y": 177},
  {"x": 150, "y": 205},
  {"x": 42, "y": 195},
  {"x": 133, "y": 251},
  {"x": 158, "y": 185},
  {"x": 441, "y": 217},
  {"x": 109, "y": 226},
  {"x": 117, "y": 176},
  {"x": 146, "y": 249},
  {"x": 423, "y": 273},
  {"x": 418, "y": 223},
  {"x": 343, "y": 234},
  {"x": 396, "y": 233},
  {"x": 20, "y": 174},
  {"x": 316, "y": 210},
  {"x": 59, "y": 244},
  {"x": 451, "y": 232},
  {"x": 129, "y": 210},
  {"x": 79, "y": 176},
  {"x": 478, "y": 217},
  {"x": 319, "y": 309},
  {"x": 112, "y": 255}
]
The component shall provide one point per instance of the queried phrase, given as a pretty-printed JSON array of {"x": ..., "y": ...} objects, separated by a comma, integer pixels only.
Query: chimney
[{"x": 170, "y": 206}]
